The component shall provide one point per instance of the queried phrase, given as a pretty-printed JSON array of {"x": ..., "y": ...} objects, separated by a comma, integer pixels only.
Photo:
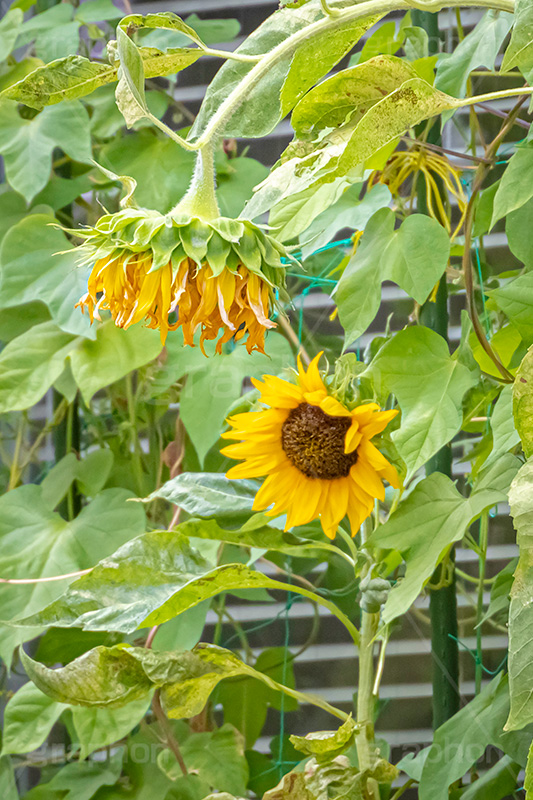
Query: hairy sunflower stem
[
  {"x": 365, "y": 686},
  {"x": 200, "y": 198},
  {"x": 136, "y": 456},
  {"x": 16, "y": 471}
]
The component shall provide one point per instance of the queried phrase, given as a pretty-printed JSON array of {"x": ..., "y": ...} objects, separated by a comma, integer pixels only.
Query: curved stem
[
  {"x": 168, "y": 733},
  {"x": 325, "y": 25},
  {"x": 200, "y": 199},
  {"x": 231, "y": 55}
]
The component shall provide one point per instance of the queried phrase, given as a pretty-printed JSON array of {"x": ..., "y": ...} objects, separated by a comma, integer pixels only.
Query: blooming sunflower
[
  {"x": 316, "y": 453},
  {"x": 219, "y": 275}
]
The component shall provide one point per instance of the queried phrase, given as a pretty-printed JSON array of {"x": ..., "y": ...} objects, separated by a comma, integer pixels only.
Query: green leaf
[
  {"x": 112, "y": 677},
  {"x": 519, "y": 51},
  {"x": 8, "y": 787},
  {"x": 519, "y": 230},
  {"x": 100, "y": 727},
  {"x": 462, "y": 740},
  {"x": 31, "y": 363},
  {"x": 80, "y": 780},
  {"x": 97, "y": 11},
  {"x": 28, "y": 719},
  {"x": 115, "y": 353},
  {"x": 515, "y": 299},
  {"x": 27, "y": 144},
  {"x": 337, "y": 780},
  {"x": 528, "y": 780},
  {"x": 166, "y": 20},
  {"x": 414, "y": 256},
  {"x": 90, "y": 474},
  {"x": 217, "y": 756},
  {"x": 429, "y": 419},
  {"x": 523, "y": 403},
  {"x": 498, "y": 782},
  {"x": 478, "y": 49},
  {"x": 305, "y": 63},
  {"x": 9, "y": 29},
  {"x": 348, "y": 212},
  {"x": 350, "y": 92},
  {"x": 38, "y": 261},
  {"x": 430, "y": 520},
  {"x": 207, "y": 494},
  {"x": 129, "y": 93},
  {"x": 504, "y": 434},
  {"x": 315, "y": 58},
  {"x": 500, "y": 592},
  {"x": 36, "y": 543},
  {"x": 520, "y": 628},
  {"x": 115, "y": 594},
  {"x": 326, "y": 745},
  {"x": 514, "y": 190},
  {"x": 76, "y": 76},
  {"x": 145, "y": 157}
]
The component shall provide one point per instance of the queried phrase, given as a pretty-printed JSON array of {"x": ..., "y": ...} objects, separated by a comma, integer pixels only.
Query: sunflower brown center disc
[{"x": 314, "y": 442}]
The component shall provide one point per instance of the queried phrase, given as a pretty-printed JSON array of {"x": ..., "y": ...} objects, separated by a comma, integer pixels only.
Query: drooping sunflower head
[
  {"x": 219, "y": 276},
  {"x": 316, "y": 453}
]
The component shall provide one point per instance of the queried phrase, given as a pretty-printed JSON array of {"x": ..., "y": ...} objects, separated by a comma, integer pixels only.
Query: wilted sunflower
[
  {"x": 218, "y": 275},
  {"x": 316, "y": 453}
]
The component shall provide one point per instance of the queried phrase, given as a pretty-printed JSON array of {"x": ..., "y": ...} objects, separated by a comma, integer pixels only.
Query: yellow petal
[
  {"x": 378, "y": 423},
  {"x": 332, "y": 407},
  {"x": 310, "y": 381},
  {"x": 368, "y": 479},
  {"x": 353, "y": 437}
]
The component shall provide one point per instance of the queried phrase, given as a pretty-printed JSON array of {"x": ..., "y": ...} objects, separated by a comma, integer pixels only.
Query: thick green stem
[
  {"x": 365, "y": 685},
  {"x": 134, "y": 437},
  {"x": 200, "y": 199},
  {"x": 483, "y": 544}
]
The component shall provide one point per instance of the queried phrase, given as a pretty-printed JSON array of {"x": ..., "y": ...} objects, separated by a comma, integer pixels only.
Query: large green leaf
[
  {"x": 515, "y": 299},
  {"x": 350, "y": 92},
  {"x": 462, "y": 740},
  {"x": 115, "y": 353},
  {"x": 504, "y": 434},
  {"x": 414, "y": 256},
  {"x": 478, "y": 49},
  {"x": 27, "y": 144},
  {"x": 100, "y": 727},
  {"x": 80, "y": 780},
  {"x": 207, "y": 494},
  {"x": 145, "y": 156},
  {"x": 8, "y": 787},
  {"x": 432, "y": 417},
  {"x": 76, "y": 76},
  {"x": 28, "y": 719},
  {"x": 520, "y": 625},
  {"x": 514, "y": 189},
  {"x": 277, "y": 86},
  {"x": 31, "y": 363},
  {"x": 111, "y": 677},
  {"x": 523, "y": 402},
  {"x": 344, "y": 150},
  {"x": 150, "y": 580},
  {"x": 37, "y": 543},
  {"x": 519, "y": 230},
  {"x": 217, "y": 756},
  {"x": 528, "y": 781},
  {"x": 519, "y": 51},
  {"x": 9, "y": 29},
  {"x": 38, "y": 262},
  {"x": 430, "y": 520}
]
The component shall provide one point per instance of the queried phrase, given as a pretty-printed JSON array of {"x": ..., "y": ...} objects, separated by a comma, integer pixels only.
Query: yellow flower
[
  {"x": 316, "y": 453},
  {"x": 219, "y": 276}
]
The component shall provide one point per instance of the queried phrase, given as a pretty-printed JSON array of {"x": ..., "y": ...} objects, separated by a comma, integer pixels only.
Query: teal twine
[
  {"x": 477, "y": 658},
  {"x": 330, "y": 246}
]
